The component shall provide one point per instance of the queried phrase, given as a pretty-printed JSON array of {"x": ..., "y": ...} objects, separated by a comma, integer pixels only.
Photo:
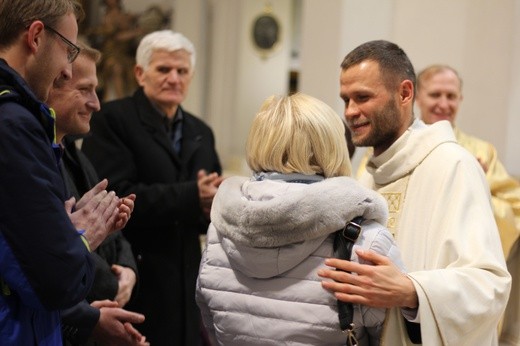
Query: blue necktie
[{"x": 177, "y": 136}]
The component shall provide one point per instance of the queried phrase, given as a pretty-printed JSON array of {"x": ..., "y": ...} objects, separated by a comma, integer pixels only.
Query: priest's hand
[{"x": 380, "y": 285}]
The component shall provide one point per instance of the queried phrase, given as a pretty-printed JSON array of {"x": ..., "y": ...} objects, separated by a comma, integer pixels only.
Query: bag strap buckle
[{"x": 352, "y": 230}]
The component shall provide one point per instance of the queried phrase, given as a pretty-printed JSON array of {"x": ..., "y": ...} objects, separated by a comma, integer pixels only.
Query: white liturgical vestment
[{"x": 441, "y": 216}]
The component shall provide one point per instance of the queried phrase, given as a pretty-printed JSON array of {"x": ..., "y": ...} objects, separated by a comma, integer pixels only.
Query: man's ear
[
  {"x": 138, "y": 72},
  {"x": 406, "y": 91},
  {"x": 35, "y": 35}
]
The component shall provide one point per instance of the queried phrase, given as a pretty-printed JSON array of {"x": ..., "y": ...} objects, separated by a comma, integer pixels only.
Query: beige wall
[{"x": 512, "y": 155}]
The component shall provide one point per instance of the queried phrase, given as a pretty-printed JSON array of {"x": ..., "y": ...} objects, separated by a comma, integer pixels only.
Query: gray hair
[{"x": 163, "y": 40}]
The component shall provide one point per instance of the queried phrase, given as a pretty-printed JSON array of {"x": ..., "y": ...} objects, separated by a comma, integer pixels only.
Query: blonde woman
[{"x": 258, "y": 282}]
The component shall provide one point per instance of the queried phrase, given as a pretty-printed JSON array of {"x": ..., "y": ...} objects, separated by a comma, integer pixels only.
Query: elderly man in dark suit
[{"x": 149, "y": 145}]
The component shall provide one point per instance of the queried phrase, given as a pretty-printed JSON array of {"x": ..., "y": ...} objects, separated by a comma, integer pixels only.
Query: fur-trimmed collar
[{"x": 273, "y": 213}]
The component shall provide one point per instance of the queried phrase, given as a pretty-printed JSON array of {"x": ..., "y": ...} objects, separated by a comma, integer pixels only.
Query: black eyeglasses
[{"x": 72, "y": 49}]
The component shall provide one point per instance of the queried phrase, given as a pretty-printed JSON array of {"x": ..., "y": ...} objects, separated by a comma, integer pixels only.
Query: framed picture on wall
[{"x": 265, "y": 33}]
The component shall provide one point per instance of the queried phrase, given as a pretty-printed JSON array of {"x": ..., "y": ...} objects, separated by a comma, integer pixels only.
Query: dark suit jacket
[
  {"x": 130, "y": 146},
  {"x": 79, "y": 321}
]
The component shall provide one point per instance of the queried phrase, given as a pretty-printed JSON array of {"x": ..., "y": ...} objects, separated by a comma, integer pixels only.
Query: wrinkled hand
[
  {"x": 115, "y": 325},
  {"x": 126, "y": 279},
  {"x": 380, "y": 285},
  {"x": 208, "y": 185},
  {"x": 126, "y": 207},
  {"x": 96, "y": 213}
]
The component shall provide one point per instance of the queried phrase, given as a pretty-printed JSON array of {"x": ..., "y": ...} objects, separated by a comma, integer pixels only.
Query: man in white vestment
[{"x": 457, "y": 284}]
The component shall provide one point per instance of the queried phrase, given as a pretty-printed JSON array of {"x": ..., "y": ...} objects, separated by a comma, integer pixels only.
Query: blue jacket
[{"x": 44, "y": 264}]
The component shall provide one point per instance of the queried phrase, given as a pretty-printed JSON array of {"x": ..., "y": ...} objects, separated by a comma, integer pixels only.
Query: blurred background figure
[{"x": 116, "y": 38}]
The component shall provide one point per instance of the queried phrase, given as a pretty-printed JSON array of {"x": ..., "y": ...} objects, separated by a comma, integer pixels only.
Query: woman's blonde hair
[{"x": 298, "y": 134}]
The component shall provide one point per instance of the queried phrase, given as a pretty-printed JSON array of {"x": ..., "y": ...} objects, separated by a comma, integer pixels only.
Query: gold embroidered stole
[
  {"x": 395, "y": 194},
  {"x": 394, "y": 330}
]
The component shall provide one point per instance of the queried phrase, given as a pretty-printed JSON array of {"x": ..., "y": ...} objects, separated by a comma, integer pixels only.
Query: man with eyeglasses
[
  {"x": 45, "y": 264},
  {"x": 72, "y": 49}
]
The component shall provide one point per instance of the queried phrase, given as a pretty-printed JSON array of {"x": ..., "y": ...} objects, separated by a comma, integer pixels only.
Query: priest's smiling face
[{"x": 372, "y": 111}]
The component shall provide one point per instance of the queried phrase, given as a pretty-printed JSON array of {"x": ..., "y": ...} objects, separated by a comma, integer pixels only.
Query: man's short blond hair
[{"x": 89, "y": 52}]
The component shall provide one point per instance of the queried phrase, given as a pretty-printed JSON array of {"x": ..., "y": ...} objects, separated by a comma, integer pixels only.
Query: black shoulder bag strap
[{"x": 343, "y": 243}]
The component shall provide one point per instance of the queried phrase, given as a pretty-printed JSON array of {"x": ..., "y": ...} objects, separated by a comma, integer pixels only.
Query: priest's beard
[{"x": 385, "y": 125}]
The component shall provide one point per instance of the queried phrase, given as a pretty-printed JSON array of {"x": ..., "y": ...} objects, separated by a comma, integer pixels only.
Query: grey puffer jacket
[{"x": 258, "y": 282}]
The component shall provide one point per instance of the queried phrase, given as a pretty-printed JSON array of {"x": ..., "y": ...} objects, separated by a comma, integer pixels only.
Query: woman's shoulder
[
  {"x": 377, "y": 238},
  {"x": 374, "y": 236}
]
